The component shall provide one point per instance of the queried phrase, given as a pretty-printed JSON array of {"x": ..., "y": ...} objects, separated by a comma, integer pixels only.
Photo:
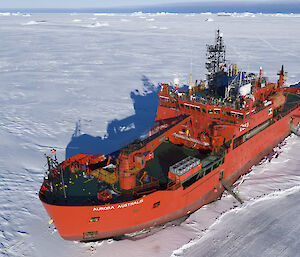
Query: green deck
[
  {"x": 291, "y": 102},
  {"x": 166, "y": 155},
  {"x": 82, "y": 188},
  {"x": 79, "y": 187}
]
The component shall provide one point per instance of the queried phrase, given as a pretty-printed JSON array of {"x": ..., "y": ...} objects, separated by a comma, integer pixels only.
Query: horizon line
[{"x": 213, "y": 7}]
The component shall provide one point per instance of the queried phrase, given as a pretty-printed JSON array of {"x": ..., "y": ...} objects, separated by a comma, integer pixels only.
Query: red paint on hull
[{"x": 73, "y": 221}]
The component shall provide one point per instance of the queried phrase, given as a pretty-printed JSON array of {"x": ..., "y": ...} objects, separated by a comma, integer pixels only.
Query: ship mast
[{"x": 216, "y": 63}]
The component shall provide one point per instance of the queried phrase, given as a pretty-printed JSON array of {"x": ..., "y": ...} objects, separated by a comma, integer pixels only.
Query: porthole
[
  {"x": 155, "y": 205},
  {"x": 94, "y": 219}
]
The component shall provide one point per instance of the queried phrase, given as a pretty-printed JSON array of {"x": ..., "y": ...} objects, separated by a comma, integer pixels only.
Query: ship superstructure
[{"x": 205, "y": 137}]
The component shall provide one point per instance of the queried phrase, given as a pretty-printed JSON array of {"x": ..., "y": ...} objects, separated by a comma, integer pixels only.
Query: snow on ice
[{"x": 65, "y": 79}]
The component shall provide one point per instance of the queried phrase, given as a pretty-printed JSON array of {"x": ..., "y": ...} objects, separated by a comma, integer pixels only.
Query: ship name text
[{"x": 120, "y": 206}]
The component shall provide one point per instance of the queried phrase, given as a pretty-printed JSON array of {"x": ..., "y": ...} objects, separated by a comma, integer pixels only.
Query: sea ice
[{"x": 54, "y": 76}]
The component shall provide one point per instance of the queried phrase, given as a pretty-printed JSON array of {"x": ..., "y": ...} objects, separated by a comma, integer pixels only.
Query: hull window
[
  {"x": 94, "y": 219},
  {"x": 155, "y": 205},
  {"x": 90, "y": 235}
]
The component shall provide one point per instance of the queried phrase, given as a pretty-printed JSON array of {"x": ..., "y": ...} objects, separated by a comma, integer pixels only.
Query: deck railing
[
  {"x": 172, "y": 186},
  {"x": 146, "y": 188}
]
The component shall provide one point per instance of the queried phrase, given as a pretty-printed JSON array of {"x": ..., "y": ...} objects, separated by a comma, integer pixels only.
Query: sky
[{"x": 105, "y": 3}]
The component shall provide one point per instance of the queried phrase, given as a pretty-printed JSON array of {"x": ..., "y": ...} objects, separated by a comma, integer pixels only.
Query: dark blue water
[{"x": 263, "y": 7}]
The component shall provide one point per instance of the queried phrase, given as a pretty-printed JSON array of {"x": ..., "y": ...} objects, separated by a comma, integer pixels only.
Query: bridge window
[
  {"x": 210, "y": 111},
  {"x": 217, "y": 111},
  {"x": 203, "y": 110}
]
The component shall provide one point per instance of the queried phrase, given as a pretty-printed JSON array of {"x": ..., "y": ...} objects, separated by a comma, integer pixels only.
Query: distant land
[{"x": 214, "y": 7}]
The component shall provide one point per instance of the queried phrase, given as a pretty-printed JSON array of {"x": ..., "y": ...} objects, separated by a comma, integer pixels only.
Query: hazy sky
[{"x": 102, "y": 3}]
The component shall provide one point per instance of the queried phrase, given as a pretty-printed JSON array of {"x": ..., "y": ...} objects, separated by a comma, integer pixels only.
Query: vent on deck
[{"x": 184, "y": 165}]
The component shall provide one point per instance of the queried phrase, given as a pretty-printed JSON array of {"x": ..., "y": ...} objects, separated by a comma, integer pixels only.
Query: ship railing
[
  {"x": 43, "y": 189},
  {"x": 291, "y": 109},
  {"x": 172, "y": 186},
  {"x": 138, "y": 144},
  {"x": 208, "y": 167},
  {"x": 146, "y": 188},
  {"x": 214, "y": 102},
  {"x": 282, "y": 114}
]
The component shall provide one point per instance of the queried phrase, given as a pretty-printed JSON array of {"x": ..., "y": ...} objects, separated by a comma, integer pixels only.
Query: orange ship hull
[
  {"x": 73, "y": 222},
  {"x": 205, "y": 137}
]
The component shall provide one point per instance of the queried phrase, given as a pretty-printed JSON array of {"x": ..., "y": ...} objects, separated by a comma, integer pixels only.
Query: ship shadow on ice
[{"x": 120, "y": 132}]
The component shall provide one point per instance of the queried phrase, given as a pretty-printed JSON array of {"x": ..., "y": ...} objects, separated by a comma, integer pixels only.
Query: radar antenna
[{"x": 216, "y": 63}]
